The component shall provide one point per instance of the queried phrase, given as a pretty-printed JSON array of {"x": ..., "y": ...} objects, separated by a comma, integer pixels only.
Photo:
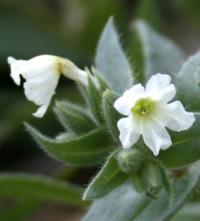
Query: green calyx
[
  {"x": 143, "y": 107},
  {"x": 130, "y": 160}
]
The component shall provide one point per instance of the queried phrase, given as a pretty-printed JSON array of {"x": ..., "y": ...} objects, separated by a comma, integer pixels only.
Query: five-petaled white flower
[
  {"x": 42, "y": 74},
  {"x": 148, "y": 113}
]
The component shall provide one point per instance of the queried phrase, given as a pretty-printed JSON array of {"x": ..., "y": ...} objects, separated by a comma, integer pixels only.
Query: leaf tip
[{"x": 86, "y": 195}]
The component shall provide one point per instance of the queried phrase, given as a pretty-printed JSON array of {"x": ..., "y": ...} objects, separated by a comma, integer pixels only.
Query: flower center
[
  {"x": 143, "y": 107},
  {"x": 59, "y": 65}
]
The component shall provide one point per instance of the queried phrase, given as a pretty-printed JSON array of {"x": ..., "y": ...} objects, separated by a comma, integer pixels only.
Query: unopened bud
[
  {"x": 152, "y": 178},
  {"x": 130, "y": 160}
]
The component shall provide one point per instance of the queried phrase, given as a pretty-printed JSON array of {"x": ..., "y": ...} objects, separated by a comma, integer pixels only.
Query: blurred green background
[{"x": 69, "y": 28}]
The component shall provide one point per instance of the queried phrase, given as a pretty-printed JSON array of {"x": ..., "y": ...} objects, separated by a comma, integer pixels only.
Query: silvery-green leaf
[
  {"x": 188, "y": 83},
  {"x": 111, "y": 61},
  {"x": 87, "y": 149},
  {"x": 118, "y": 205},
  {"x": 108, "y": 178},
  {"x": 190, "y": 212},
  {"x": 159, "y": 54},
  {"x": 125, "y": 204}
]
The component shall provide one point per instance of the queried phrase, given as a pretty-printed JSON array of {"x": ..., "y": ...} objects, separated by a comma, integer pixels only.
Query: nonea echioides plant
[{"x": 140, "y": 124}]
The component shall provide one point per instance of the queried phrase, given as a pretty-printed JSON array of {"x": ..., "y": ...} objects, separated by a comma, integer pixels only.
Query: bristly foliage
[{"x": 131, "y": 185}]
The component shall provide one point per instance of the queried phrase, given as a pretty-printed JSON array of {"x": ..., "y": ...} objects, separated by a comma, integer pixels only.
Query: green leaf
[
  {"x": 110, "y": 115},
  {"x": 190, "y": 212},
  {"x": 127, "y": 205},
  {"x": 108, "y": 178},
  {"x": 111, "y": 61},
  {"x": 159, "y": 54},
  {"x": 189, "y": 9},
  {"x": 39, "y": 188},
  {"x": 188, "y": 83},
  {"x": 102, "y": 84},
  {"x": 195, "y": 196},
  {"x": 19, "y": 212},
  {"x": 166, "y": 181},
  {"x": 149, "y": 10},
  {"x": 93, "y": 93},
  {"x": 94, "y": 99},
  {"x": 73, "y": 117},
  {"x": 88, "y": 149},
  {"x": 185, "y": 148}
]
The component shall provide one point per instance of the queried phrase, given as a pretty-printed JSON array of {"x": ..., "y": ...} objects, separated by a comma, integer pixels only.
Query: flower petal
[
  {"x": 71, "y": 71},
  {"x": 41, "y": 76},
  {"x": 41, "y": 111},
  {"x": 177, "y": 118},
  {"x": 155, "y": 137},
  {"x": 39, "y": 65},
  {"x": 124, "y": 103},
  {"x": 40, "y": 89},
  {"x": 17, "y": 67},
  {"x": 129, "y": 133},
  {"x": 159, "y": 87}
]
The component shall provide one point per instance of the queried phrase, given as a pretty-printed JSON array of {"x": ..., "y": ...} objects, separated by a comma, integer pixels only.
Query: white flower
[
  {"x": 42, "y": 74},
  {"x": 149, "y": 113}
]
